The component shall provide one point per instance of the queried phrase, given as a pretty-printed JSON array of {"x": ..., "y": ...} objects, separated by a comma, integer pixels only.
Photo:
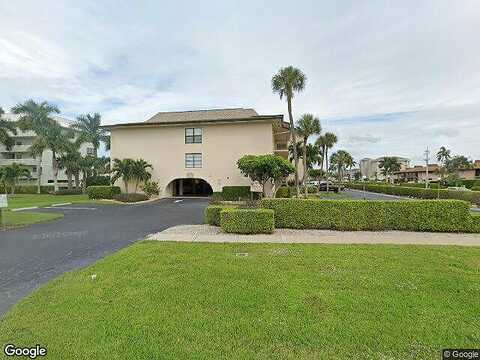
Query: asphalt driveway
[{"x": 33, "y": 255}]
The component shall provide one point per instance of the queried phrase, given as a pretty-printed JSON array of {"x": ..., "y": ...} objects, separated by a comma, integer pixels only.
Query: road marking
[
  {"x": 177, "y": 201},
  {"x": 61, "y": 204},
  {"x": 69, "y": 208},
  {"x": 25, "y": 208}
]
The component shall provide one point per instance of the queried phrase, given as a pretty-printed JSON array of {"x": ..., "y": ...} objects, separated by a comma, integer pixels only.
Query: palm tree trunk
[
  {"x": 326, "y": 165},
  {"x": 125, "y": 183},
  {"x": 13, "y": 187},
  {"x": 69, "y": 179},
  {"x": 39, "y": 174},
  {"x": 95, "y": 152},
  {"x": 84, "y": 181},
  {"x": 294, "y": 139},
  {"x": 55, "y": 171},
  {"x": 305, "y": 167},
  {"x": 77, "y": 179}
]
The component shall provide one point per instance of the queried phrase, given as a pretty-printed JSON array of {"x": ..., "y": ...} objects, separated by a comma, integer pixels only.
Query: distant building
[
  {"x": 370, "y": 168},
  {"x": 418, "y": 173},
  {"x": 21, "y": 154},
  {"x": 470, "y": 174}
]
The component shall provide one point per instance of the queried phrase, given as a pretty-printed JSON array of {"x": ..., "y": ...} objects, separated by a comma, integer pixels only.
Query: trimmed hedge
[
  {"x": 470, "y": 196},
  {"x": 129, "y": 198},
  {"x": 102, "y": 192},
  {"x": 98, "y": 180},
  {"x": 32, "y": 189},
  {"x": 247, "y": 221},
  {"x": 475, "y": 188},
  {"x": 212, "y": 214},
  {"x": 421, "y": 215},
  {"x": 283, "y": 192}
]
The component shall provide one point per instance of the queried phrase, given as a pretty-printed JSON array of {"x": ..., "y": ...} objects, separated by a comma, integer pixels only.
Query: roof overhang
[{"x": 259, "y": 118}]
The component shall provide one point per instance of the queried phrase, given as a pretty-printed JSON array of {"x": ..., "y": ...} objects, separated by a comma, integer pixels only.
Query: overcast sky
[{"x": 389, "y": 77}]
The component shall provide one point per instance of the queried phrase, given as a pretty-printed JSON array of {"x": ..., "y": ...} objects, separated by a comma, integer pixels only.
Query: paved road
[
  {"x": 359, "y": 194},
  {"x": 33, "y": 255}
]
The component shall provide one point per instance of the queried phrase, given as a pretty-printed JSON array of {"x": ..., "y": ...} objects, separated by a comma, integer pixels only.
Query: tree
[
  {"x": 307, "y": 126},
  {"x": 265, "y": 168},
  {"x": 6, "y": 128},
  {"x": 70, "y": 161},
  {"x": 13, "y": 173},
  {"x": 329, "y": 139},
  {"x": 123, "y": 169},
  {"x": 3, "y": 180},
  {"x": 91, "y": 132},
  {"x": 36, "y": 117},
  {"x": 388, "y": 166},
  {"x": 287, "y": 82},
  {"x": 140, "y": 172},
  {"x": 456, "y": 163},
  {"x": 443, "y": 155},
  {"x": 340, "y": 161}
]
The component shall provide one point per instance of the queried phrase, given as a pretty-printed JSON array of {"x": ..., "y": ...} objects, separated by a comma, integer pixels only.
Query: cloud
[{"x": 405, "y": 73}]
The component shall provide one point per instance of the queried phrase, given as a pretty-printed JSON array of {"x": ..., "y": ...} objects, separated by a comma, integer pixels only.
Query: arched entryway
[{"x": 190, "y": 187}]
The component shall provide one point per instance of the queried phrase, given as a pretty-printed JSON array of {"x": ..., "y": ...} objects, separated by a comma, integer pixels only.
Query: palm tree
[
  {"x": 6, "y": 127},
  {"x": 123, "y": 169},
  {"x": 330, "y": 139},
  {"x": 91, "y": 132},
  {"x": 340, "y": 161},
  {"x": 287, "y": 82},
  {"x": 70, "y": 162},
  {"x": 443, "y": 155},
  {"x": 141, "y": 172},
  {"x": 389, "y": 165},
  {"x": 3, "y": 180},
  {"x": 13, "y": 173},
  {"x": 320, "y": 142},
  {"x": 36, "y": 117},
  {"x": 307, "y": 126}
]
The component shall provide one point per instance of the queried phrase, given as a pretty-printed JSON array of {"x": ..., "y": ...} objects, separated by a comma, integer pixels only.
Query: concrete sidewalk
[{"x": 207, "y": 233}]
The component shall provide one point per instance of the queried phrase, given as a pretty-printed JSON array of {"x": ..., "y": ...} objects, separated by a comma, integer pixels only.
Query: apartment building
[
  {"x": 21, "y": 154},
  {"x": 196, "y": 152},
  {"x": 370, "y": 168},
  {"x": 419, "y": 173}
]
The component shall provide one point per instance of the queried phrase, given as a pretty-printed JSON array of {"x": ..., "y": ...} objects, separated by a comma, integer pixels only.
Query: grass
[
  {"x": 158, "y": 300},
  {"x": 20, "y": 218},
  {"x": 41, "y": 200}
]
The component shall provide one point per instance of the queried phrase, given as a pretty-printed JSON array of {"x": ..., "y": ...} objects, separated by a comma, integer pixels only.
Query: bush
[
  {"x": 102, "y": 192},
  {"x": 212, "y": 214},
  {"x": 32, "y": 189},
  {"x": 246, "y": 221},
  {"x": 98, "y": 181},
  {"x": 283, "y": 192},
  {"x": 234, "y": 193},
  {"x": 68, "y": 192},
  {"x": 130, "y": 198},
  {"x": 421, "y": 185},
  {"x": 421, "y": 215},
  {"x": 469, "y": 184},
  {"x": 470, "y": 196},
  {"x": 475, "y": 188},
  {"x": 151, "y": 188},
  {"x": 217, "y": 196}
]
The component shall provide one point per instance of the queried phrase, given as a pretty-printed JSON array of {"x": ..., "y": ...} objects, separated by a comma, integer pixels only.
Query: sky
[{"x": 388, "y": 77}]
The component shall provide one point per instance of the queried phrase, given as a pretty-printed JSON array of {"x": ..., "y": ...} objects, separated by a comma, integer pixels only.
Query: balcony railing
[{"x": 30, "y": 162}]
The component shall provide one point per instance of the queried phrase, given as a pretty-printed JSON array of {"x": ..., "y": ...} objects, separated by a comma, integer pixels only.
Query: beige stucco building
[{"x": 195, "y": 152}]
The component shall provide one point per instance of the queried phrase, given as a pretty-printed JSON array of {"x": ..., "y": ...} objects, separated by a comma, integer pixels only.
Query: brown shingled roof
[{"x": 202, "y": 115}]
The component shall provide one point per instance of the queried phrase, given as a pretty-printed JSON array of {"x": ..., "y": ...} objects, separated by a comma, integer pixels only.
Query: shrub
[
  {"x": 283, "y": 192},
  {"x": 98, "y": 180},
  {"x": 234, "y": 193},
  {"x": 470, "y": 196},
  {"x": 217, "y": 196},
  {"x": 475, "y": 188},
  {"x": 32, "y": 189},
  {"x": 212, "y": 214},
  {"x": 102, "y": 192},
  {"x": 129, "y": 198},
  {"x": 151, "y": 188},
  {"x": 69, "y": 192},
  {"x": 421, "y": 215},
  {"x": 247, "y": 221}
]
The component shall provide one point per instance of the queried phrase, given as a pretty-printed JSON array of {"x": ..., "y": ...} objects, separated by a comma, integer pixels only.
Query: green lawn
[
  {"x": 30, "y": 200},
  {"x": 158, "y": 300},
  {"x": 20, "y": 218}
]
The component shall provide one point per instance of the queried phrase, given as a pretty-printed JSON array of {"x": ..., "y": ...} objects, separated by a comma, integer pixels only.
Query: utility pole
[{"x": 427, "y": 157}]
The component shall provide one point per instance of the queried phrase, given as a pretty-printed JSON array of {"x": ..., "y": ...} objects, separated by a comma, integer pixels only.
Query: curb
[
  {"x": 61, "y": 204},
  {"x": 25, "y": 208}
]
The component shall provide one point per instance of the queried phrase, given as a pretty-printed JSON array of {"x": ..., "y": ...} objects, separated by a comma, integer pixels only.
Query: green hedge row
[
  {"x": 212, "y": 214},
  {"x": 102, "y": 192},
  {"x": 289, "y": 191},
  {"x": 32, "y": 189},
  {"x": 438, "y": 216},
  {"x": 235, "y": 193},
  {"x": 470, "y": 196},
  {"x": 69, "y": 192},
  {"x": 247, "y": 221}
]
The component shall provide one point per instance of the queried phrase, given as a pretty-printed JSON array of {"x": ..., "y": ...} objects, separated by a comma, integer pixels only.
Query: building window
[
  {"x": 193, "y": 160},
  {"x": 89, "y": 151},
  {"x": 193, "y": 136},
  {"x": 34, "y": 169}
]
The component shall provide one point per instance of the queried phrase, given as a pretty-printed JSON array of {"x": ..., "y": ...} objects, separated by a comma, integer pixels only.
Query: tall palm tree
[
  {"x": 70, "y": 160},
  {"x": 13, "y": 173},
  {"x": 330, "y": 140},
  {"x": 123, "y": 169},
  {"x": 6, "y": 127},
  {"x": 340, "y": 161},
  {"x": 389, "y": 166},
  {"x": 307, "y": 126},
  {"x": 36, "y": 117},
  {"x": 287, "y": 82},
  {"x": 91, "y": 132},
  {"x": 443, "y": 155},
  {"x": 320, "y": 142}
]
